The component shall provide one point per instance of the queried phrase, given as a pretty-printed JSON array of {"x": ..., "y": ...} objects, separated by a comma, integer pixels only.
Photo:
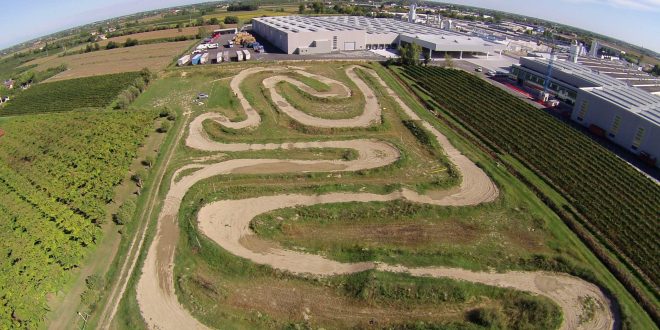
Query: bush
[
  {"x": 487, "y": 317},
  {"x": 131, "y": 42},
  {"x": 231, "y": 20},
  {"x": 125, "y": 212},
  {"x": 111, "y": 45},
  {"x": 164, "y": 127}
]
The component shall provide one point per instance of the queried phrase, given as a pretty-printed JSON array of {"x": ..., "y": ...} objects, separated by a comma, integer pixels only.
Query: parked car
[
  {"x": 479, "y": 69},
  {"x": 212, "y": 46},
  {"x": 491, "y": 73}
]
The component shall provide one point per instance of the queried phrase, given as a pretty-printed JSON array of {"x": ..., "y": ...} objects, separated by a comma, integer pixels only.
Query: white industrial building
[
  {"x": 624, "y": 114},
  {"x": 326, "y": 34}
]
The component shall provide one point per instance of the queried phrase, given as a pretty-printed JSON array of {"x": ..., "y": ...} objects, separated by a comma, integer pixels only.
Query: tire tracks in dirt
[{"x": 227, "y": 222}]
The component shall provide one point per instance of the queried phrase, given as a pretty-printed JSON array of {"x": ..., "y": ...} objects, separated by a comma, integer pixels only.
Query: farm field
[
  {"x": 266, "y": 229},
  {"x": 618, "y": 204},
  {"x": 57, "y": 173},
  {"x": 245, "y": 16},
  {"x": 153, "y": 56},
  {"x": 159, "y": 34},
  {"x": 67, "y": 95}
]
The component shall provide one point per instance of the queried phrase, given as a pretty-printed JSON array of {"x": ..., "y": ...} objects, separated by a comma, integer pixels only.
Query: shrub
[{"x": 125, "y": 212}]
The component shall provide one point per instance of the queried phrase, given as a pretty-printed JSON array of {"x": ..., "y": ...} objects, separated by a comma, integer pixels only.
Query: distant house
[{"x": 9, "y": 83}]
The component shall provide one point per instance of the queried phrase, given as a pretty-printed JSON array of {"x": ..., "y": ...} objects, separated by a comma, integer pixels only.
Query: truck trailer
[
  {"x": 218, "y": 57},
  {"x": 183, "y": 60},
  {"x": 239, "y": 55},
  {"x": 225, "y": 56},
  {"x": 246, "y": 54},
  {"x": 204, "y": 58},
  {"x": 196, "y": 58}
]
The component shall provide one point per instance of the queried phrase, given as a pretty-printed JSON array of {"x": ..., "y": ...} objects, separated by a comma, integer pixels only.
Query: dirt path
[
  {"x": 227, "y": 222},
  {"x": 119, "y": 287}
]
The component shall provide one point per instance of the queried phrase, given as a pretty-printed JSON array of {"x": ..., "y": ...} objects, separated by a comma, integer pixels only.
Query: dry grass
[{"x": 154, "y": 56}]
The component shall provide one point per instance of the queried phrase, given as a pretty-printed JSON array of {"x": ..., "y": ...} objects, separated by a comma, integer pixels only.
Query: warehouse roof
[
  {"x": 383, "y": 25},
  {"x": 578, "y": 70},
  {"x": 296, "y": 24},
  {"x": 631, "y": 99}
]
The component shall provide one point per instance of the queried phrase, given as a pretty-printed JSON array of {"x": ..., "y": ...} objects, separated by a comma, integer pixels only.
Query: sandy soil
[{"x": 227, "y": 222}]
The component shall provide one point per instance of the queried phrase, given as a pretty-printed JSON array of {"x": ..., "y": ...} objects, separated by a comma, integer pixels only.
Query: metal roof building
[
  {"x": 626, "y": 115},
  {"x": 325, "y": 34}
]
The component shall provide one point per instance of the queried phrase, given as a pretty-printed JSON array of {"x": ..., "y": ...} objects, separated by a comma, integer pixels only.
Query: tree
[
  {"x": 201, "y": 32},
  {"x": 301, "y": 8},
  {"x": 318, "y": 7},
  {"x": 231, "y": 20},
  {"x": 427, "y": 57},
  {"x": 449, "y": 61},
  {"x": 96, "y": 46},
  {"x": 214, "y": 21},
  {"x": 409, "y": 54}
]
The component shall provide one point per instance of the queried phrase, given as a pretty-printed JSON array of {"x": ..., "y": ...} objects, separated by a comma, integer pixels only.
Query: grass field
[
  {"x": 153, "y": 56},
  {"x": 160, "y": 34}
]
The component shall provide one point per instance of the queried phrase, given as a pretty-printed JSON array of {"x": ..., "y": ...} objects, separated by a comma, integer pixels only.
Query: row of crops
[
  {"x": 621, "y": 205},
  {"x": 57, "y": 172},
  {"x": 66, "y": 95}
]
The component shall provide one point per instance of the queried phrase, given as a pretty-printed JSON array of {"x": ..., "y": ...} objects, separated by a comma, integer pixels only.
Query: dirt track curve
[{"x": 227, "y": 222}]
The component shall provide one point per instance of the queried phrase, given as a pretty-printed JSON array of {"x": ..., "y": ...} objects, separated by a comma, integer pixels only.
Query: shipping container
[
  {"x": 218, "y": 57},
  {"x": 195, "y": 59},
  {"x": 204, "y": 58},
  {"x": 246, "y": 54},
  {"x": 225, "y": 56},
  {"x": 239, "y": 55},
  {"x": 183, "y": 60}
]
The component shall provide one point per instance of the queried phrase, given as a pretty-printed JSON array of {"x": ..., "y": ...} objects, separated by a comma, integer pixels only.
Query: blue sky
[{"x": 635, "y": 21}]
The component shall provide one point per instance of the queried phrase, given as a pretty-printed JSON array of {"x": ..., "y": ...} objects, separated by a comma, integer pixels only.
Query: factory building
[
  {"x": 626, "y": 115},
  {"x": 325, "y": 34}
]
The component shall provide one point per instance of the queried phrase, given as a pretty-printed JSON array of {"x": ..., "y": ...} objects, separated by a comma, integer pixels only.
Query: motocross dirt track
[{"x": 227, "y": 222}]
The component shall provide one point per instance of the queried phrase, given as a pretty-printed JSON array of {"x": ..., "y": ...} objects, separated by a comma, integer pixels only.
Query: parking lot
[{"x": 271, "y": 53}]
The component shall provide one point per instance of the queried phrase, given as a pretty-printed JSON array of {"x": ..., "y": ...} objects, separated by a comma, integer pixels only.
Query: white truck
[
  {"x": 246, "y": 54},
  {"x": 218, "y": 57},
  {"x": 204, "y": 59},
  {"x": 183, "y": 60},
  {"x": 239, "y": 55}
]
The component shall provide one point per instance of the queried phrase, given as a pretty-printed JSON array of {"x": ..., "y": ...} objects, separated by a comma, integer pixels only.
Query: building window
[
  {"x": 615, "y": 126},
  {"x": 334, "y": 42},
  {"x": 639, "y": 137},
  {"x": 583, "y": 110}
]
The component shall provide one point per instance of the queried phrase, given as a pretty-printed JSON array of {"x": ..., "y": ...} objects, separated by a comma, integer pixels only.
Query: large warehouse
[
  {"x": 628, "y": 116},
  {"x": 325, "y": 34}
]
